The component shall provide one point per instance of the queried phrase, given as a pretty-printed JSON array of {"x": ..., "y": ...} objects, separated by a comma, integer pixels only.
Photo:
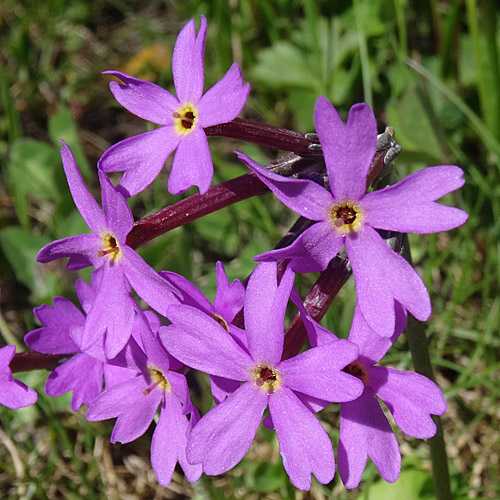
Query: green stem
[{"x": 419, "y": 349}]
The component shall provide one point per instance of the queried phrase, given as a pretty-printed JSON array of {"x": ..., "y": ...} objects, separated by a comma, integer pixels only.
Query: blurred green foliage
[{"x": 429, "y": 69}]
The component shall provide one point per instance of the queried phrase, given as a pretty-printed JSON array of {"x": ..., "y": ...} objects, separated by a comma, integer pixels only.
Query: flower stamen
[
  {"x": 358, "y": 370},
  {"x": 346, "y": 216},
  {"x": 185, "y": 119},
  {"x": 109, "y": 247},
  {"x": 267, "y": 378}
]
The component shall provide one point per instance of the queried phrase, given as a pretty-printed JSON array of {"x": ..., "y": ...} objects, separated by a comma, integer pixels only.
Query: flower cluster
[{"x": 124, "y": 361}]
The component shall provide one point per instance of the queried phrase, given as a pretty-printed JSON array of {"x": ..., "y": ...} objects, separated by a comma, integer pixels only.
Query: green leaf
[
  {"x": 63, "y": 126},
  {"x": 269, "y": 476},
  {"x": 411, "y": 485},
  {"x": 20, "y": 247},
  {"x": 32, "y": 173},
  {"x": 414, "y": 130}
]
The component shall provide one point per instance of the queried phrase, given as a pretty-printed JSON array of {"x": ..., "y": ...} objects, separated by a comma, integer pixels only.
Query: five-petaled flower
[
  {"x": 346, "y": 215},
  {"x": 113, "y": 310},
  {"x": 135, "y": 402},
  {"x": 182, "y": 119},
  {"x": 223, "y": 436},
  {"x": 364, "y": 429}
]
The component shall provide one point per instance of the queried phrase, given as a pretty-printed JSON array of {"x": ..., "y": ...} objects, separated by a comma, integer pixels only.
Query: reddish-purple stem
[{"x": 262, "y": 134}]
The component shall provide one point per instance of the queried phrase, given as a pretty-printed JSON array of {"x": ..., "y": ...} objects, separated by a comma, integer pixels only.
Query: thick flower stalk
[
  {"x": 223, "y": 436},
  {"x": 345, "y": 215},
  {"x": 181, "y": 119},
  {"x": 112, "y": 312}
]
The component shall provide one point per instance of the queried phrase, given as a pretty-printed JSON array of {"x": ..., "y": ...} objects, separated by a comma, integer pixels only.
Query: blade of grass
[
  {"x": 363, "y": 53},
  {"x": 476, "y": 123},
  {"x": 484, "y": 95}
]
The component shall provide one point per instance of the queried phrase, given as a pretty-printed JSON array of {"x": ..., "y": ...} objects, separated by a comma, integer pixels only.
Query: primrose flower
[
  {"x": 223, "y": 436},
  {"x": 112, "y": 312},
  {"x": 229, "y": 300},
  {"x": 13, "y": 393},
  {"x": 135, "y": 402},
  {"x": 364, "y": 430},
  {"x": 182, "y": 119},
  {"x": 61, "y": 332},
  {"x": 347, "y": 216}
]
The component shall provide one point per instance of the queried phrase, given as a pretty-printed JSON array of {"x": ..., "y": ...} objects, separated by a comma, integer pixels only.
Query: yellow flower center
[
  {"x": 158, "y": 379},
  {"x": 346, "y": 217},
  {"x": 109, "y": 246},
  {"x": 266, "y": 378},
  {"x": 185, "y": 118}
]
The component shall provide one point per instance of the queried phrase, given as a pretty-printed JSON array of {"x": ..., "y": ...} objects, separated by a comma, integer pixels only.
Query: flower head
[
  {"x": 113, "y": 310},
  {"x": 347, "y": 216},
  {"x": 364, "y": 429},
  {"x": 222, "y": 437},
  {"x": 135, "y": 402},
  {"x": 182, "y": 119},
  {"x": 61, "y": 333}
]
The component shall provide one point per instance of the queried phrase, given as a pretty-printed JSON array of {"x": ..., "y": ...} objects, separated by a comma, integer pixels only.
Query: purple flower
[
  {"x": 13, "y": 393},
  {"x": 348, "y": 216},
  {"x": 364, "y": 429},
  {"x": 182, "y": 119},
  {"x": 112, "y": 311},
  {"x": 223, "y": 436},
  {"x": 135, "y": 402},
  {"x": 62, "y": 328},
  {"x": 229, "y": 300}
]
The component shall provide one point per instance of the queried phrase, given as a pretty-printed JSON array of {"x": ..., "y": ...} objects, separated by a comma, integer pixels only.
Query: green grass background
[{"x": 429, "y": 69}]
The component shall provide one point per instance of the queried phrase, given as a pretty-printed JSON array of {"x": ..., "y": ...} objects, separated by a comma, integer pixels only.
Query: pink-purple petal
[
  {"x": 304, "y": 444},
  {"x": 224, "y": 435},
  {"x": 81, "y": 374},
  {"x": 200, "y": 342},
  {"x": 365, "y": 432},
  {"x": 411, "y": 397},
  {"x": 229, "y": 298},
  {"x": 312, "y": 251},
  {"x": 156, "y": 291},
  {"x": 144, "y": 99},
  {"x": 84, "y": 201},
  {"x": 86, "y": 245},
  {"x": 223, "y": 102},
  {"x": 187, "y": 62},
  {"x": 317, "y": 372},
  {"x": 112, "y": 312},
  {"x": 348, "y": 149},
  {"x": 13, "y": 393},
  {"x": 191, "y": 296},
  {"x": 372, "y": 347},
  {"x": 383, "y": 276},
  {"x": 301, "y": 195},
  {"x": 140, "y": 158},
  {"x": 58, "y": 321},
  {"x": 168, "y": 444},
  {"x": 134, "y": 412},
  {"x": 192, "y": 164},
  {"x": 412, "y": 202},
  {"x": 222, "y": 387},
  {"x": 265, "y": 306},
  {"x": 119, "y": 218}
]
